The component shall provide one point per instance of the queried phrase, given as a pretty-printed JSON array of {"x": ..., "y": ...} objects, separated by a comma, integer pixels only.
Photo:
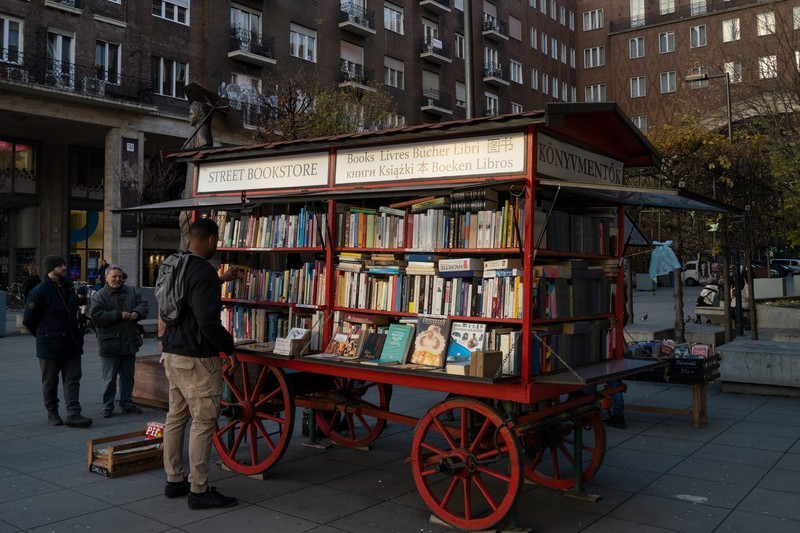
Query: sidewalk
[{"x": 738, "y": 473}]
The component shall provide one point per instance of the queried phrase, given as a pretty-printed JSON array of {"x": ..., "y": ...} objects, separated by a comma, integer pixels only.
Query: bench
[{"x": 716, "y": 315}]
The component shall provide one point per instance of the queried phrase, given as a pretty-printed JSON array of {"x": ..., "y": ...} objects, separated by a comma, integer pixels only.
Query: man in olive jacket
[
  {"x": 51, "y": 315},
  {"x": 116, "y": 311}
]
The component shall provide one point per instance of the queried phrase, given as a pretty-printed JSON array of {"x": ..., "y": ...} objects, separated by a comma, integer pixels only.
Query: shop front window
[
  {"x": 17, "y": 167},
  {"x": 85, "y": 245},
  {"x": 86, "y": 173}
]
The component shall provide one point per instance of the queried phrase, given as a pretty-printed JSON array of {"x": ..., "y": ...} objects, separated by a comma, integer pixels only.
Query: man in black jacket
[
  {"x": 51, "y": 315},
  {"x": 192, "y": 363},
  {"x": 116, "y": 311}
]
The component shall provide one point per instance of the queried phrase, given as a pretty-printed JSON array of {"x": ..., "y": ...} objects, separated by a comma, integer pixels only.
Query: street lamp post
[{"x": 704, "y": 76}]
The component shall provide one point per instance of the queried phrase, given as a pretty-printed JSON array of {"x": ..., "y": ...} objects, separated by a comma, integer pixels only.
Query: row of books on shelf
[
  {"x": 304, "y": 285},
  {"x": 428, "y": 342},
  {"x": 584, "y": 234},
  {"x": 305, "y": 229},
  {"x": 571, "y": 344},
  {"x": 264, "y": 326},
  {"x": 433, "y": 228},
  {"x": 669, "y": 348}
]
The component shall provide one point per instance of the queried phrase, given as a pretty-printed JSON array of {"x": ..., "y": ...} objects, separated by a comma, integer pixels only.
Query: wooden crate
[
  {"x": 691, "y": 370},
  {"x": 150, "y": 386},
  {"x": 124, "y": 454}
]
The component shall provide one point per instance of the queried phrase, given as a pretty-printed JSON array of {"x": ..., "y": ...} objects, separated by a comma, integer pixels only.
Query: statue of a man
[{"x": 198, "y": 117}]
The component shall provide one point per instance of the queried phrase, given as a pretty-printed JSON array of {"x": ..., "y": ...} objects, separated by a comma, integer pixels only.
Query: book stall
[{"x": 479, "y": 258}]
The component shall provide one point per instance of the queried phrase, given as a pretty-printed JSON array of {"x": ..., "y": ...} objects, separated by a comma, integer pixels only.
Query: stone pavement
[{"x": 737, "y": 473}]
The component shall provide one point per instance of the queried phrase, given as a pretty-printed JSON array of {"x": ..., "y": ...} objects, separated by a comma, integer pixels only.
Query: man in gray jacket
[{"x": 116, "y": 310}]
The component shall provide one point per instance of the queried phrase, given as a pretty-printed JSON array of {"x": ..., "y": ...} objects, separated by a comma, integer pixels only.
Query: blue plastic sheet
[{"x": 663, "y": 260}]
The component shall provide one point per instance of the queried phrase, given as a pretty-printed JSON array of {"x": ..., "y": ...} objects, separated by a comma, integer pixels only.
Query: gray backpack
[{"x": 171, "y": 288}]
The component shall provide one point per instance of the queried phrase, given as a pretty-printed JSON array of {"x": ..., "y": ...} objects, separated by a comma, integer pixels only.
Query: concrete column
[
  {"x": 121, "y": 249},
  {"x": 54, "y": 193}
]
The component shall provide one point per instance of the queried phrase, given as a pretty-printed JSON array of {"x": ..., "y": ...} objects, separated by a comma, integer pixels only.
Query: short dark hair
[{"x": 203, "y": 227}]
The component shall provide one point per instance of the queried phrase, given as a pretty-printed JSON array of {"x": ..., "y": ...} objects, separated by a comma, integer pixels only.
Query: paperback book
[
  {"x": 465, "y": 339},
  {"x": 430, "y": 345},
  {"x": 395, "y": 346}
]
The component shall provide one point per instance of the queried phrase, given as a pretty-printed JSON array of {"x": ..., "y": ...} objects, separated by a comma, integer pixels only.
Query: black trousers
[{"x": 69, "y": 369}]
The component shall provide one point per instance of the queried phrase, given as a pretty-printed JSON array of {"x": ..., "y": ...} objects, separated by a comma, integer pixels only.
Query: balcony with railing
[
  {"x": 251, "y": 47},
  {"x": 70, "y": 6},
  {"x": 494, "y": 29},
  {"x": 436, "y": 102},
  {"x": 73, "y": 79},
  {"x": 355, "y": 75},
  {"x": 435, "y": 51},
  {"x": 493, "y": 74},
  {"x": 437, "y": 6},
  {"x": 356, "y": 19},
  {"x": 655, "y": 16}
]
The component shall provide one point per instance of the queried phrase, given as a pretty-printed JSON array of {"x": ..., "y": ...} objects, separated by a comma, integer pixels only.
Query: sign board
[
  {"x": 161, "y": 238},
  {"x": 562, "y": 160},
  {"x": 283, "y": 172},
  {"x": 493, "y": 155}
]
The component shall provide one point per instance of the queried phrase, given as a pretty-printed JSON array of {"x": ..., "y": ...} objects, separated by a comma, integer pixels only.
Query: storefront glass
[{"x": 86, "y": 245}]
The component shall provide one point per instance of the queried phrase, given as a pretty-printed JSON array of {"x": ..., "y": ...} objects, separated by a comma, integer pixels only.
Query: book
[
  {"x": 457, "y": 368},
  {"x": 353, "y": 343},
  {"x": 397, "y": 343},
  {"x": 460, "y": 263},
  {"x": 337, "y": 342},
  {"x": 433, "y": 203},
  {"x": 372, "y": 346},
  {"x": 430, "y": 344},
  {"x": 407, "y": 203},
  {"x": 392, "y": 211},
  {"x": 496, "y": 264},
  {"x": 465, "y": 339}
]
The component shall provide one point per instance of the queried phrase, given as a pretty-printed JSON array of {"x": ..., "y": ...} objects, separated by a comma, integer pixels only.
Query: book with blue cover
[
  {"x": 395, "y": 347},
  {"x": 465, "y": 339}
]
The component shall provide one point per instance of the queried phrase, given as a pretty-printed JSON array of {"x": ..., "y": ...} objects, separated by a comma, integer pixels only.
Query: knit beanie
[{"x": 51, "y": 262}]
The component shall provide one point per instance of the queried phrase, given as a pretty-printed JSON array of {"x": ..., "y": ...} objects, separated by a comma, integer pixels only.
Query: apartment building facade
[{"x": 639, "y": 53}]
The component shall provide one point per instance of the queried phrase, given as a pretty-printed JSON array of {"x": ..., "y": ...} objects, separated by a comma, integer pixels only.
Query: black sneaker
[
  {"x": 132, "y": 410},
  {"x": 53, "y": 419},
  {"x": 210, "y": 499},
  {"x": 78, "y": 421},
  {"x": 176, "y": 489},
  {"x": 108, "y": 413}
]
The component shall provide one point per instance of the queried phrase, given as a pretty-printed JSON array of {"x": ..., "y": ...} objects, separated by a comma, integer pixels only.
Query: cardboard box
[{"x": 485, "y": 364}]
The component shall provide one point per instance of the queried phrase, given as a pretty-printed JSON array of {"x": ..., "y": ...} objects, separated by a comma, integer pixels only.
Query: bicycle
[{"x": 14, "y": 299}]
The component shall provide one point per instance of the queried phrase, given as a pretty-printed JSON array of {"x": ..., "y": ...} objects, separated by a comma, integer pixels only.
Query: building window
[
  {"x": 572, "y": 57},
  {"x": 564, "y": 53},
  {"x": 734, "y": 70},
  {"x": 638, "y": 89},
  {"x": 461, "y": 94},
  {"x": 637, "y": 13},
  {"x": 247, "y": 21},
  {"x": 515, "y": 28},
  {"x": 393, "y": 18},
  {"x": 169, "y": 76},
  {"x": 516, "y": 108},
  {"x": 595, "y": 93},
  {"x": 393, "y": 120},
  {"x": 544, "y": 43},
  {"x": 492, "y": 104},
  {"x": 565, "y": 91},
  {"x": 554, "y": 48},
  {"x": 697, "y": 36},
  {"x": 174, "y": 10},
  {"x": 797, "y": 60},
  {"x": 640, "y": 122},
  {"x": 107, "y": 62},
  {"x": 10, "y": 40},
  {"x": 730, "y": 30},
  {"x": 767, "y": 67},
  {"x": 669, "y": 82},
  {"x": 765, "y": 23},
  {"x": 698, "y": 7},
  {"x": 516, "y": 71},
  {"x": 460, "y": 46},
  {"x": 545, "y": 84},
  {"x": 665, "y": 7},
  {"x": 571, "y": 20},
  {"x": 534, "y": 39},
  {"x": 594, "y": 57},
  {"x": 702, "y": 83},
  {"x": 543, "y": 6},
  {"x": 555, "y": 88},
  {"x": 553, "y": 13},
  {"x": 562, "y": 15},
  {"x": 303, "y": 43},
  {"x": 666, "y": 42},
  {"x": 535, "y": 79},
  {"x": 593, "y": 20},
  {"x": 796, "y": 18},
  {"x": 394, "y": 76},
  {"x": 636, "y": 47},
  {"x": 60, "y": 60}
]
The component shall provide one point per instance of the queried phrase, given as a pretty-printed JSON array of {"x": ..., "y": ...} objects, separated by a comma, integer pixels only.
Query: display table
[{"x": 697, "y": 372}]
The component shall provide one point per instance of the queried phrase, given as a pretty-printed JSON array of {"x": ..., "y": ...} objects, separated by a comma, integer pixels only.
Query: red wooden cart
[{"x": 471, "y": 452}]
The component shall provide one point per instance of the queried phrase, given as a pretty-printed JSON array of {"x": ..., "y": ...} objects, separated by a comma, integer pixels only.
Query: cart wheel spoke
[
  {"x": 347, "y": 424},
  {"x": 260, "y": 418},
  {"x": 469, "y": 474},
  {"x": 549, "y": 452}
]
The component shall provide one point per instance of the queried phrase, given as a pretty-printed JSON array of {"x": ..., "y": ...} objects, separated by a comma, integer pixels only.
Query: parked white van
[{"x": 791, "y": 264}]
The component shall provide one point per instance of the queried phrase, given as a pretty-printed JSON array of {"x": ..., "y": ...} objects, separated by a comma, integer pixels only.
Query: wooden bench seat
[{"x": 717, "y": 314}]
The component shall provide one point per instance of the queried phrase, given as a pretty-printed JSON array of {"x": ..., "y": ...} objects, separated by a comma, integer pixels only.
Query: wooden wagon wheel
[
  {"x": 469, "y": 472},
  {"x": 549, "y": 452},
  {"x": 347, "y": 425},
  {"x": 257, "y": 423}
]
